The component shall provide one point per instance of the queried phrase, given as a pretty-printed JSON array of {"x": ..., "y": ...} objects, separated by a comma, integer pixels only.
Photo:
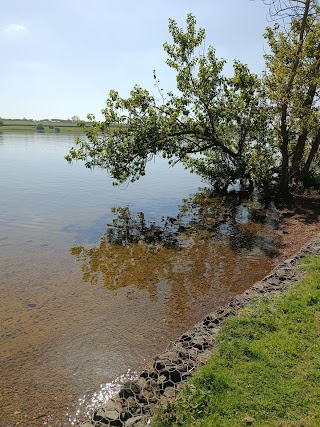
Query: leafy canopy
[
  {"x": 217, "y": 126},
  {"x": 292, "y": 84}
]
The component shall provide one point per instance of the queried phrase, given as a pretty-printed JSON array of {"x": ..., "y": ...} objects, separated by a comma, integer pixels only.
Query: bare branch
[{"x": 287, "y": 10}]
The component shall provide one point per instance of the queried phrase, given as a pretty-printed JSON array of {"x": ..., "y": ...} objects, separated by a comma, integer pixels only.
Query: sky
[{"x": 61, "y": 58}]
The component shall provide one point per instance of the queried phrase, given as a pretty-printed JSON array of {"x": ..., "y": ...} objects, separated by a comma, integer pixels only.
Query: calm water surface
[{"x": 87, "y": 293}]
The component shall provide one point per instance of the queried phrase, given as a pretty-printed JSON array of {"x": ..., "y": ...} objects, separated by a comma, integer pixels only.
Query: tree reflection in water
[{"x": 207, "y": 243}]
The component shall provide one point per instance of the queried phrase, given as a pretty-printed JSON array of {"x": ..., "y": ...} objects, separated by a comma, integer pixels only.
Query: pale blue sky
[{"x": 61, "y": 58}]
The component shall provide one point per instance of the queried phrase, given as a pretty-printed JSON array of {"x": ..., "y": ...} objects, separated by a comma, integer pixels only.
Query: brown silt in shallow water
[{"x": 123, "y": 300}]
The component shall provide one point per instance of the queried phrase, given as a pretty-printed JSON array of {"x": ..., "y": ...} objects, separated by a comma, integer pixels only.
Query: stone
[
  {"x": 148, "y": 394},
  {"x": 130, "y": 388},
  {"x": 170, "y": 392},
  {"x": 152, "y": 384},
  {"x": 102, "y": 424},
  {"x": 130, "y": 404},
  {"x": 101, "y": 414},
  {"x": 138, "y": 421},
  {"x": 160, "y": 364},
  {"x": 109, "y": 411},
  {"x": 193, "y": 353},
  {"x": 204, "y": 357},
  {"x": 163, "y": 400},
  {"x": 161, "y": 379},
  {"x": 249, "y": 420},
  {"x": 150, "y": 373},
  {"x": 143, "y": 383}
]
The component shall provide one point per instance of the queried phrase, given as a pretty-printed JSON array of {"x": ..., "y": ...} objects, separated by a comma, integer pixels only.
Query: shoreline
[{"x": 159, "y": 382}]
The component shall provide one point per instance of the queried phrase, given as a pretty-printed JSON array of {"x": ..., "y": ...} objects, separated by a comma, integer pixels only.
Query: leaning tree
[
  {"x": 217, "y": 126},
  {"x": 223, "y": 128}
]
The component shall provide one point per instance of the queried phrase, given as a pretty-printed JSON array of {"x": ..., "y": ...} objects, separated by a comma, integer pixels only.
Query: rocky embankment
[{"x": 159, "y": 383}]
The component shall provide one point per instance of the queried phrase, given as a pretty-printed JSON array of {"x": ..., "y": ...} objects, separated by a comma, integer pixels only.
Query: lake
[{"x": 96, "y": 278}]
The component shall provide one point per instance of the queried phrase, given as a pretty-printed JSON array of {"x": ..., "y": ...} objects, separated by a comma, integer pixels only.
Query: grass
[
  {"x": 65, "y": 126},
  {"x": 266, "y": 367}
]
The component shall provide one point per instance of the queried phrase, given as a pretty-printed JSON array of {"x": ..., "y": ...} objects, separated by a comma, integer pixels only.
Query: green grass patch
[
  {"x": 17, "y": 126},
  {"x": 266, "y": 367}
]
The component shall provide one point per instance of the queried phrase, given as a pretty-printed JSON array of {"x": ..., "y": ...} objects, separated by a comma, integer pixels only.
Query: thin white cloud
[{"x": 14, "y": 28}]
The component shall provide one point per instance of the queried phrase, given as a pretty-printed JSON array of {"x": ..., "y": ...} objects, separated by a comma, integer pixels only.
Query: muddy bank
[{"x": 134, "y": 404}]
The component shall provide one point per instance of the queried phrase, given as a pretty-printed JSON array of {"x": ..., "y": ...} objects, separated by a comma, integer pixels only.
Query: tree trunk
[
  {"x": 313, "y": 152},
  {"x": 284, "y": 177},
  {"x": 298, "y": 153},
  {"x": 299, "y": 149}
]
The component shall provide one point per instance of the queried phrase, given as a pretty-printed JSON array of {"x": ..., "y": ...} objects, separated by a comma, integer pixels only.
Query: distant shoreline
[{"x": 48, "y": 126}]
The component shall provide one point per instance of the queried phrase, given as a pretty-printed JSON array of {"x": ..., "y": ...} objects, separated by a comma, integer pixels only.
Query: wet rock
[
  {"x": 130, "y": 388},
  {"x": 109, "y": 412},
  {"x": 143, "y": 383},
  {"x": 131, "y": 404},
  {"x": 150, "y": 373}
]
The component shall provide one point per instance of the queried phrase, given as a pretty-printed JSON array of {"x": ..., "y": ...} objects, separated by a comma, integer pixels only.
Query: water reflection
[
  {"x": 188, "y": 253},
  {"x": 177, "y": 270}
]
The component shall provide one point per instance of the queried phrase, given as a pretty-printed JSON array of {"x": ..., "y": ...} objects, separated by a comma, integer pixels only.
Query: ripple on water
[
  {"x": 88, "y": 403},
  {"x": 81, "y": 300}
]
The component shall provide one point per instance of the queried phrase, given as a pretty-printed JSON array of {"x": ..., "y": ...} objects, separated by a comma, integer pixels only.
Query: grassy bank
[
  {"x": 266, "y": 367},
  {"x": 62, "y": 126}
]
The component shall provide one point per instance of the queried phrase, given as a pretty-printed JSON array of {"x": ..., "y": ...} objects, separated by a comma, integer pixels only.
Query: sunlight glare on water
[{"x": 86, "y": 405}]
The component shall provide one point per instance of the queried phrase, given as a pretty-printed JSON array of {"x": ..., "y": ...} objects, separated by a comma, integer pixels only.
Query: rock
[
  {"x": 161, "y": 379},
  {"x": 185, "y": 338},
  {"x": 248, "y": 420},
  {"x": 150, "y": 373},
  {"x": 131, "y": 404},
  {"x": 148, "y": 394},
  {"x": 110, "y": 411},
  {"x": 130, "y": 388},
  {"x": 160, "y": 364},
  {"x": 173, "y": 375},
  {"x": 204, "y": 357},
  {"x": 136, "y": 422},
  {"x": 200, "y": 343},
  {"x": 169, "y": 357},
  {"x": 143, "y": 383},
  {"x": 170, "y": 392},
  {"x": 193, "y": 353},
  {"x": 163, "y": 400},
  {"x": 152, "y": 384}
]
